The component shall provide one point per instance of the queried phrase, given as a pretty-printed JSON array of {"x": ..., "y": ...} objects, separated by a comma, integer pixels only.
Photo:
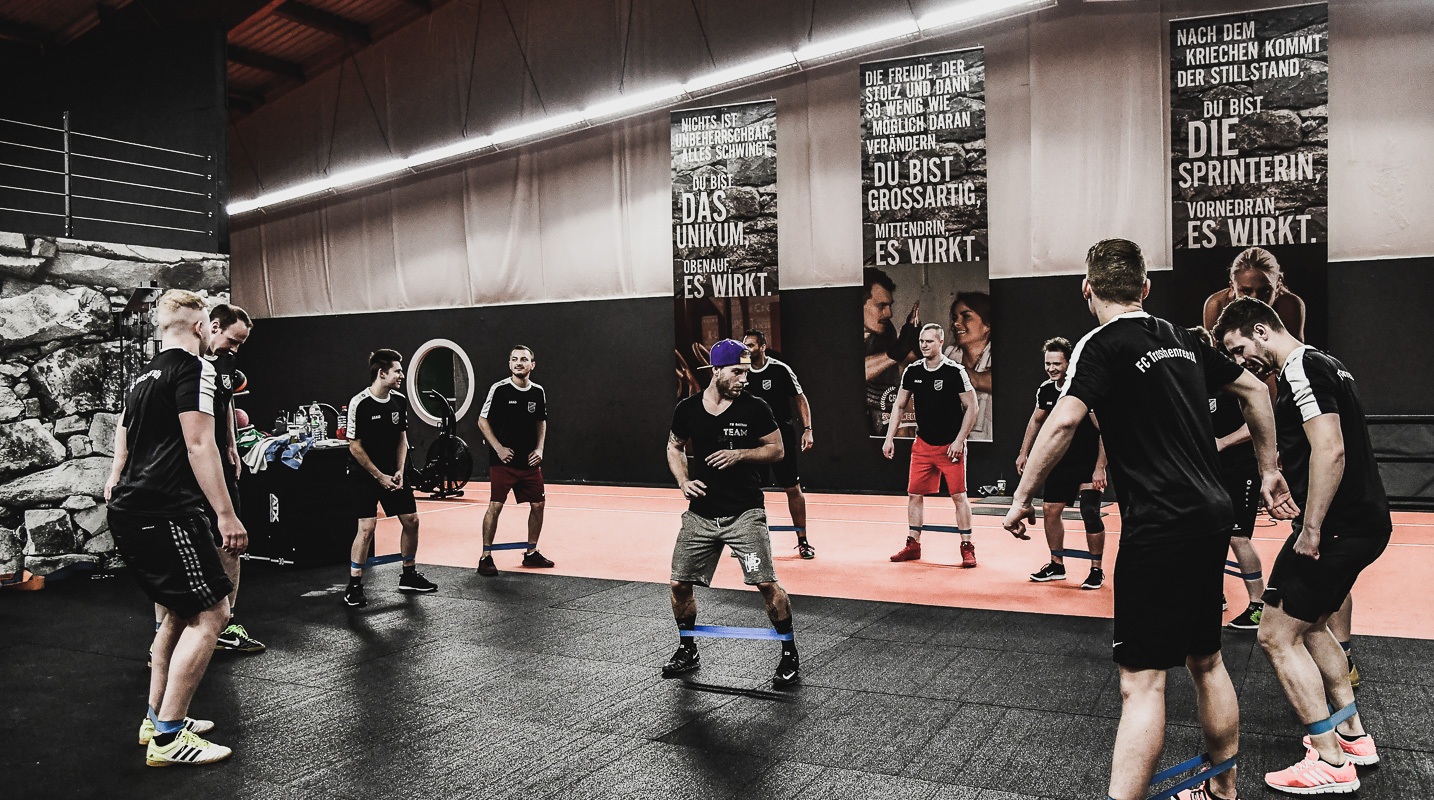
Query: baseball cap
[{"x": 730, "y": 352}]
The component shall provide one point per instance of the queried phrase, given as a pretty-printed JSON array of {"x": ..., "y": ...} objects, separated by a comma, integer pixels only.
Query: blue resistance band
[
  {"x": 1249, "y": 576},
  {"x": 377, "y": 560},
  {"x": 786, "y": 528},
  {"x": 1199, "y": 777},
  {"x": 510, "y": 546},
  {"x": 722, "y": 632},
  {"x": 1327, "y": 725},
  {"x": 1076, "y": 554},
  {"x": 942, "y": 529}
]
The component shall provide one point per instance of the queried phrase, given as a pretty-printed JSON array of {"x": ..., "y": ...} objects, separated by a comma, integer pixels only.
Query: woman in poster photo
[
  {"x": 1256, "y": 273},
  {"x": 971, "y": 348}
]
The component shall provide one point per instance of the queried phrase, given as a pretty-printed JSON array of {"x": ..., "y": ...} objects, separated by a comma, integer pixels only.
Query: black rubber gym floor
[{"x": 538, "y": 686}]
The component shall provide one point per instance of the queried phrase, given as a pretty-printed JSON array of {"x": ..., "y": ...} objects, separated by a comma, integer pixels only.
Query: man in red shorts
[
  {"x": 514, "y": 420},
  {"x": 945, "y": 414}
]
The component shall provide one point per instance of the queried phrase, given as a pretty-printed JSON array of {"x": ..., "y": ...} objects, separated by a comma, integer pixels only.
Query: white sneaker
[
  {"x": 187, "y": 748},
  {"x": 146, "y": 728}
]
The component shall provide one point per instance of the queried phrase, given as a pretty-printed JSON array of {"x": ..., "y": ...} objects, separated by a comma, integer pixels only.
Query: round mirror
[{"x": 441, "y": 368}]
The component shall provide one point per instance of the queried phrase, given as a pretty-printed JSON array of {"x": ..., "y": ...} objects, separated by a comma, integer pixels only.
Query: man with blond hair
[{"x": 158, "y": 516}]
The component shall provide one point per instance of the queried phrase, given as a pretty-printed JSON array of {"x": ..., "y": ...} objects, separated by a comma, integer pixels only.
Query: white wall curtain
[{"x": 1076, "y": 148}]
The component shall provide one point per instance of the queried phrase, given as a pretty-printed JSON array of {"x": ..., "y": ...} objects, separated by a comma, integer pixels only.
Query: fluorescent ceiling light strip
[
  {"x": 975, "y": 9},
  {"x": 968, "y": 11},
  {"x": 856, "y": 41},
  {"x": 751, "y": 69}
]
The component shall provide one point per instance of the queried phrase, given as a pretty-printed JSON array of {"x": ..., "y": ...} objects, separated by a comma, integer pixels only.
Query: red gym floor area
[{"x": 626, "y": 533}]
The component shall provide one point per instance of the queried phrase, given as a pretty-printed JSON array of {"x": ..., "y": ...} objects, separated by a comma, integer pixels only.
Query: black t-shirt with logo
[
  {"x": 1236, "y": 461},
  {"x": 939, "y": 410},
  {"x": 157, "y": 479},
  {"x": 1084, "y": 449},
  {"x": 740, "y": 426},
  {"x": 514, "y": 414},
  {"x": 378, "y": 425},
  {"x": 777, "y": 384},
  {"x": 1150, "y": 382},
  {"x": 1312, "y": 383},
  {"x": 223, "y": 398}
]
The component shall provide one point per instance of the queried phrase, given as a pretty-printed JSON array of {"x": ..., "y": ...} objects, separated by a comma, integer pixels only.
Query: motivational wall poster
[
  {"x": 724, "y": 231},
  {"x": 924, "y": 230},
  {"x": 1249, "y": 137}
]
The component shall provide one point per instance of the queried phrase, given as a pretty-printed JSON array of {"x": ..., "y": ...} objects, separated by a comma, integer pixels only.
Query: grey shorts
[{"x": 699, "y": 547}]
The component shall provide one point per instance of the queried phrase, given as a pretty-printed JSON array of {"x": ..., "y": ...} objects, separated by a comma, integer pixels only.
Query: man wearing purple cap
[{"x": 731, "y": 436}]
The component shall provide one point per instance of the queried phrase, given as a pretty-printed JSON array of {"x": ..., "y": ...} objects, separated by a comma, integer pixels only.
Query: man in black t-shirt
[
  {"x": 945, "y": 413},
  {"x": 1240, "y": 473},
  {"x": 1079, "y": 475},
  {"x": 1345, "y": 526},
  {"x": 1149, "y": 383},
  {"x": 514, "y": 421},
  {"x": 730, "y": 436},
  {"x": 777, "y": 384},
  {"x": 157, "y": 515},
  {"x": 377, "y": 430}
]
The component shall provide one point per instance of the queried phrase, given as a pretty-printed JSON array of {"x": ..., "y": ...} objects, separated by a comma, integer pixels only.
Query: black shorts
[
  {"x": 1167, "y": 599},
  {"x": 1307, "y": 588},
  {"x": 1244, "y": 494},
  {"x": 785, "y": 473},
  {"x": 173, "y": 559},
  {"x": 1063, "y": 485},
  {"x": 366, "y": 496},
  {"x": 232, "y": 484}
]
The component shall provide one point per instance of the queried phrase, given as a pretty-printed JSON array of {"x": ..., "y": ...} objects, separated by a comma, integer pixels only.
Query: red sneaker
[
  {"x": 1201, "y": 791},
  {"x": 1361, "y": 751},
  {"x": 911, "y": 552},
  {"x": 968, "y": 555},
  {"x": 1314, "y": 776}
]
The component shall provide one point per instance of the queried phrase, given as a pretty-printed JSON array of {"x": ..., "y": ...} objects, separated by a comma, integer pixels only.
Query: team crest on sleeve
[
  {"x": 937, "y": 385},
  {"x": 1213, "y": 403},
  {"x": 394, "y": 417},
  {"x": 533, "y": 408},
  {"x": 767, "y": 383},
  {"x": 225, "y": 379}
]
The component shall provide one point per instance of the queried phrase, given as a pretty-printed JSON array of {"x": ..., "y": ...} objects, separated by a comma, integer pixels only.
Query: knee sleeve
[{"x": 1090, "y": 511}]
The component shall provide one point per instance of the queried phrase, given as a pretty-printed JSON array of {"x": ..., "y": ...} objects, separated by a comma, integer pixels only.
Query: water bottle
[
  {"x": 300, "y": 425},
  {"x": 319, "y": 425},
  {"x": 343, "y": 422},
  {"x": 281, "y": 425}
]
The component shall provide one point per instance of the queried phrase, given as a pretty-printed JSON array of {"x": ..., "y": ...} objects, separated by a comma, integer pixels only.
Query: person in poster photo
[
  {"x": 1256, "y": 273},
  {"x": 887, "y": 350},
  {"x": 970, "y": 346}
]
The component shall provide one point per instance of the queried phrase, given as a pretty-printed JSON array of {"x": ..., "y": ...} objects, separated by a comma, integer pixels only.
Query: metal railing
[{"x": 59, "y": 181}]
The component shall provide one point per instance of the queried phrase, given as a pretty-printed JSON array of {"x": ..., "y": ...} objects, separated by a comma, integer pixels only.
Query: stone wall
[{"x": 60, "y": 386}]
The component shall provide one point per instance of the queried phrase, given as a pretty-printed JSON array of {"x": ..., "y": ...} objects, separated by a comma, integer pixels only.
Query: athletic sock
[
  {"x": 158, "y": 624},
  {"x": 355, "y": 580},
  {"x": 1351, "y": 739},
  {"x": 166, "y": 730},
  {"x": 1344, "y": 646},
  {"x": 801, "y": 538},
  {"x": 784, "y": 627},
  {"x": 409, "y": 569},
  {"x": 685, "y": 627}
]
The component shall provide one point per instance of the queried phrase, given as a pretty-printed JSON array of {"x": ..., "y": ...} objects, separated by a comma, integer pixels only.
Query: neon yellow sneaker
[
  {"x": 187, "y": 748},
  {"x": 146, "y": 728}
]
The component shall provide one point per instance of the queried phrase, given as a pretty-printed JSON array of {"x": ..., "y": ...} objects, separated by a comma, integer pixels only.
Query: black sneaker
[
  {"x": 414, "y": 583},
  {"x": 1249, "y": 619},
  {"x": 683, "y": 660},
  {"x": 535, "y": 559},
  {"x": 789, "y": 671},
  {"x": 1095, "y": 579},
  {"x": 1050, "y": 572},
  {"x": 235, "y": 638},
  {"x": 486, "y": 567},
  {"x": 805, "y": 550},
  {"x": 354, "y": 596}
]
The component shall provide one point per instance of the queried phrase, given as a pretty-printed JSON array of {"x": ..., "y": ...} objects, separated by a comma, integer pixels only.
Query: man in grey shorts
[{"x": 730, "y": 435}]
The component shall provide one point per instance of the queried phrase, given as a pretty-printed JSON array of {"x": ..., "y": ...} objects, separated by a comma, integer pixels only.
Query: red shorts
[
  {"x": 526, "y": 484},
  {"x": 928, "y": 464}
]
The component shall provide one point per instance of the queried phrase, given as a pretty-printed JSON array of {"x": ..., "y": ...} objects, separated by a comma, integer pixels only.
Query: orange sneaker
[
  {"x": 968, "y": 555},
  {"x": 1201, "y": 791},
  {"x": 1361, "y": 751},
  {"x": 1314, "y": 776},
  {"x": 911, "y": 552}
]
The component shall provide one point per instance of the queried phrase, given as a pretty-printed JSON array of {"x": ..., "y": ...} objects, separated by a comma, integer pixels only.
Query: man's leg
[
  {"x": 779, "y": 611},
  {"x": 231, "y": 568},
  {"x": 915, "y": 515},
  {"x": 1329, "y": 658},
  {"x": 1055, "y": 530},
  {"x": 1249, "y": 562},
  {"x": 535, "y": 525},
  {"x": 358, "y": 554},
  {"x": 963, "y": 515},
  {"x": 1141, "y": 734},
  {"x": 1283, "y": 639},
  {"x": 166, "y": 636},
  {"x": 408, "y": 539},
  {"x": 797, "y": 507},
  {"x": 779, "y": 605},
  {"x": 187, "y": 659},
  {"x": 490, "y": 526},
  {"x": 1340, "y": 623},
  {"x": 1219, "y": 715},
  {"x": 1094, "y": 525}
]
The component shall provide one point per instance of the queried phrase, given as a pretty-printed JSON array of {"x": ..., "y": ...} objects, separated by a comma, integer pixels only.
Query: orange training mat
[{"x": 626, "y": 533}]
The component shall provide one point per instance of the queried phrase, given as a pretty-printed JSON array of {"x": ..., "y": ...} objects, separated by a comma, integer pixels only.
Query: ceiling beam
[
  {"x": 27, "y": 34},
  {"x": 325, "y": 22},
  {"x": 422, "y": 5},
  {"x": 253, "y": 58}
]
